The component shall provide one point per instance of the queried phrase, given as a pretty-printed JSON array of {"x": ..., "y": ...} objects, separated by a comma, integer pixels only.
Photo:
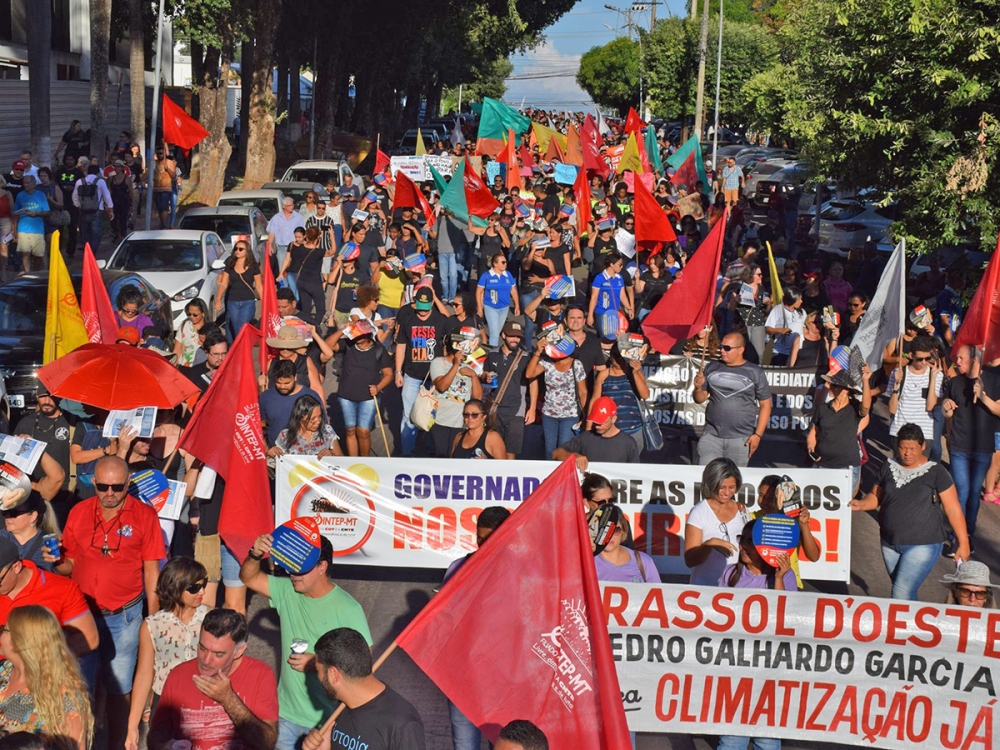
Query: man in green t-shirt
[{"x": 309, "y": 605}]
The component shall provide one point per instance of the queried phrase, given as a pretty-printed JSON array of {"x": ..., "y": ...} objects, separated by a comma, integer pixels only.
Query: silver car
[{"x": 230, "y": 223}]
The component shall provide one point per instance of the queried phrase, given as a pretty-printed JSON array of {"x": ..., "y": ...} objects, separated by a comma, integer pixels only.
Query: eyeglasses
[
  {"x": 102, "y": 487},
  {"x": 126, "y": 313},
  {"x": 725, "y": 530},
  {"x": 970, "y": 593},
  {"x": 194, "y": 314},
  {"x": 729, "y": 347},
  {"x": 471, "y": 414},
  {"x": 922, "y": 359},
  {"x": 197, "y": 586}
]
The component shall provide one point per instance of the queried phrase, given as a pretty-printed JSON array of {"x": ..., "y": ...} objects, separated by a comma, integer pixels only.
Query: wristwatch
[{"x": 252, "y": 556}]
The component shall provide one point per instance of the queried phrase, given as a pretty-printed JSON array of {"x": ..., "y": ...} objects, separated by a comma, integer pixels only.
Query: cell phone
[{"x": 814, "y": 457}]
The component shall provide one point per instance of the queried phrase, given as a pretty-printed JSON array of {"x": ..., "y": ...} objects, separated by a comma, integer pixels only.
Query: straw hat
[
  {"x": 971, "y": 573},
  {"x": 287, "y": 338}
]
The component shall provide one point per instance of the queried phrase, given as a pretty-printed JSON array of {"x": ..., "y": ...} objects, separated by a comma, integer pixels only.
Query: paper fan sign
[
  {"x": 300, "y": 326},
  {"x": 633, "y": 346},
  {"x": 415, "y": 263},
  {"x": 296, "y": 545},
  {"x": 559, "y": 287},
  {"x": 562, "y": 348},
  {"x": 15, "y": 486},
  {"x": 150, "y": 486},
  {"x": 774, "y": 535}
]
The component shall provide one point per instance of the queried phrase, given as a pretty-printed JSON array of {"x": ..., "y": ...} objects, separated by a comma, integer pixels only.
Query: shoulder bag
[
  {"x": 497, "y": 397},
  {"x": 425, "y": 407}
]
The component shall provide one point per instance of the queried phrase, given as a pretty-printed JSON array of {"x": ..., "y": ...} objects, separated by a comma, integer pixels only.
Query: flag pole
[
  {"x": 329, "y": 723},
  {"x": 152, "y": 125},
  {"x": 381, "y": 424}
]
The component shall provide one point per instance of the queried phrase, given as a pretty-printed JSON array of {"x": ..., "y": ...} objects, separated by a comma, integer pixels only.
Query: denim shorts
[
  {"x": 358, "y": 413},
  {"x": 230, "y": 569},
  {"x": 119, "y": 647}
]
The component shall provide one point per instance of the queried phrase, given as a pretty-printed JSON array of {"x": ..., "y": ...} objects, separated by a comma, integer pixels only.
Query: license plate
[{"x": 16, "y": 400}]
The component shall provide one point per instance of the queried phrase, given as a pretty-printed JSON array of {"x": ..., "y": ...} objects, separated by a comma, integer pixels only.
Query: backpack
[{"x": 90, "y": 201}]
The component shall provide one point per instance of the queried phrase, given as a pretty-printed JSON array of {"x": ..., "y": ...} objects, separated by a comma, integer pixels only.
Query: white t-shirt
[
  {"x": 782, "y": 317},
  {"x": 703, "y": 517}
]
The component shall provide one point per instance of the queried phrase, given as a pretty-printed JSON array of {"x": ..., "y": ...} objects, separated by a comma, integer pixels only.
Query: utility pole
[
  {"x": 699, "y": 115},
  {"x": 638, "y": 7}
]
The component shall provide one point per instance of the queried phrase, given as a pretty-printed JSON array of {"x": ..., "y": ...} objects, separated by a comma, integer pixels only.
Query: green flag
[
  {"x": 688, "y": 163},
  {"x": 497, "y": 117},
  {"x": 440, "y": 184},
  {"x": 653, "y": 149},
  {"x": 453, "y": 196}
]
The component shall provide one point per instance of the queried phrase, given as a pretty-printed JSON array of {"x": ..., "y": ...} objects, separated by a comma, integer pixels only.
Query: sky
[{"x": 558, "y": 58}]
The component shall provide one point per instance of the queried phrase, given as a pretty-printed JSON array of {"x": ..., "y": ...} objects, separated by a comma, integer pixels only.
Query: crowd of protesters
[{"x": 384, "y": 308}]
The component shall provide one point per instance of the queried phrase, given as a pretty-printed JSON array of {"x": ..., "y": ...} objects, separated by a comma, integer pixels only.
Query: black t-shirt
[
  {"x": 557, "y": 254},
  {"x": 306, "y": 261},
  {"x": 908, "y": 513},
  {"x": 66, "y": 180},
  {"x": 422, "y": 339},
  {"x": 15, "y": 185},
  {"x": 53, "y": 432},
  {"x": 347, "y": 293},
  {"x": 550, "y": 206},
  {"x": 837, "y": 435},
  {"x": 618, "y": 449},
  {"x": 386, "y": 722},
  {"x": 500, "y": 363},
  {"x": 983, "y": 421},
  {"x": 77, "y": 142},
  {"x": 210, "y": 509},
  {"x": 241, "y": 288},
  {"x": 369, "y": 255},
  {"x": 590, "y": 353},
  {"x": 453, "y": 324},
  {"x": 811, "y": 353},
  {"x": 602, "y": 247},
  {"x": 360, "y": 370},
  {"x": 962, "y": 436}
]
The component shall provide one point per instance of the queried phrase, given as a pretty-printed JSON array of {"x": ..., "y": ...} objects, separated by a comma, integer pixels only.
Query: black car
[{"x": 22, "y": 325}]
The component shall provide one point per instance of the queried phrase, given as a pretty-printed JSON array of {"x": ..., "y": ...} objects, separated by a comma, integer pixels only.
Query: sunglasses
[
  {"x": 922, "y": 359},
  {"x": 129, "y": 313},
  {"x": 471, "y": 414},
  {"x": 729, "y": 347},
  {"x": 102, "y": 487},
  {"x": 197, "y": 586},
  {"x": 978, "y": 595}
]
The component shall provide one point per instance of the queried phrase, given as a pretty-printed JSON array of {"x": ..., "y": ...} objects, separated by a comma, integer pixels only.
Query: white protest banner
[
  {"x": 422, "y": 513},
  {"x": 798, "y": 665},
  {"x": 415, "y": 167}
]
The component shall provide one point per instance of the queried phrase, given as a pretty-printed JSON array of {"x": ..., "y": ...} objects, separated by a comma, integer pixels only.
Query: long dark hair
[
  {"x": 301, "y": 409},
  {"x": 746, "y": 542},
  {"x": 251, "y": 261}
]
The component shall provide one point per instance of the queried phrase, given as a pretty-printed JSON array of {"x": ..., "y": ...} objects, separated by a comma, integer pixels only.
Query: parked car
[
  {"x": 268, "y": 201},
  {"x": 182, "y": 263},
  {"x": 436, "y": 131},
  {"x": 755, "y": 153},
  {"x": 787, "y": 182},
  {"x": 297, "y": 190},
  {"x": 230, "y": 223},
  {"x": 846, "y": 225},
  {"x": 761, "y": 170},
  {"x": 319, "y": 171},
  {"x": 959, "y": 257},
  {"x": 22, "y": 325}
]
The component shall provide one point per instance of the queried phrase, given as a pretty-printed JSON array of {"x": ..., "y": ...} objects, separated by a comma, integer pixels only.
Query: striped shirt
[
  {"x": 324, "y": 223},
  {"x": 912, "y": 407}
]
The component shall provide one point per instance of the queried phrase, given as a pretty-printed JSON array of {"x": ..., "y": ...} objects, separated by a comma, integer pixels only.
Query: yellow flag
[
  {"x": 421, "y": 148},
  {"x": 543, "y": 135},
  {"x": 64, "y": 328},
  {"x": 776, "y": 294},
  {"x": 630, "y": 156}
]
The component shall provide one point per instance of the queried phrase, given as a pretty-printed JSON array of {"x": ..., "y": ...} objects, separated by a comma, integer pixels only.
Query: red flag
[
  {"x": 229, "y": 407},
  {"x": 574, "y": 147},
  {"x": 270, "y": 320},
  {"x": 478, "y": 197},
  {"x": 513, "y": 172},
  {"x": 591, "y": 141},
  {"x": 179, "y": 128},
  {"x": 652, "y": 227},
  {"x": 502, "y": 644},
  {"x": 634, "y": 123},
  {"x": 581, "y": 191},
  {"x": 527, "y": 160},
  {"x": 687, "y": 305},
  {"x": 981, "y": 327},
  {"x": 408, "y": 195},
  {"x": 382, "y": 161},
  {"x": 95, "y": 305}
]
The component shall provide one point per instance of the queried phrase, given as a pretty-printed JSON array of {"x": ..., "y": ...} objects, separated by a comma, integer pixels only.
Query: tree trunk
[
  {"x": 100, "y": 45},
  {"x": 197, "y": 75},
  {"x": 246, "y": 89},
  {"x": 325, "y": 100},
  {"x": 215, "y": 149},
  {"x": 137, "y": 67},
  {"x": 294, "y": 100},
  {"x": 281, "y": 105},
  {"x": 39, "y": 28},
  {"x": 260, "y": 130}
]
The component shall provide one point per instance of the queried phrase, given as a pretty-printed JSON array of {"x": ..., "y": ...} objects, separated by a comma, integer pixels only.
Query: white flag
[
  {"x": 884, "y": 319},
  {"x": 457, "y": 136},
  {"x": 602, "y": 127}
]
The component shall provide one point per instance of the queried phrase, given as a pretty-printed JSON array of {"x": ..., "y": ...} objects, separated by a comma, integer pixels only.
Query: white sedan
[{"x": 848, "y": 225}]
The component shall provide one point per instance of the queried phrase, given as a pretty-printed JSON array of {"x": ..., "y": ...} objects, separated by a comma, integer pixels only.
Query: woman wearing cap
[
  {"x": 307, "y": 432},
  {"x": 494, "y": 293},
  {"x": 477, "y": 440},
  {"x": 456, "y": 383},
  {"x": 240, "y": 286},
  {"x": 910, "y": 494},
  {"x": 814, "y": 296},
  {"x": 970, "y": 586},
  {"x": 26, "y": 524},
  {"x": 565, "y": 390},
  {"x": 624, "y": 383},
  {"x": 715, "y": 523}
]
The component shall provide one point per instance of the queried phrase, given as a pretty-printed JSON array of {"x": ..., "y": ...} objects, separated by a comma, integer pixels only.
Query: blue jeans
[
  {"x": 238, "y": 314},
  {"x": 729, "y": 742},
  {"x": 387, "y": 312},
  {"x": 292, "y": 284},
  {"x": 448, "y": 268},
  {"x": 230, "y": 569},
  {"x": 464, "y": 734},
  {"x": 90, "y": 230},
  {"x": 938, "y": 416},
  {"x": 407, "y": 430},
  {"x": 495, "y": 318},
  {"x": 908, "y": 566},
  {"x": 290, "y": 735},
  {"x": 119, "y": 647},
  {"x": 969, "y": 469},
  {"x": 280, "y": 251},
  {"x": 358, "y": 413},
  {"x": 557, "y": 430}
]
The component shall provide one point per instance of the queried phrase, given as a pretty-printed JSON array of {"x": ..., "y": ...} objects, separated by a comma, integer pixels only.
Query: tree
[
  {"x": 137, "y": 69},
  {"x": 610, "y": 74},
  {"x": 260, "y": 131},
  {"x": 100, "y": 46},
  {"x": 489, "y": 81},
  {"x": 39, "y": 27}
]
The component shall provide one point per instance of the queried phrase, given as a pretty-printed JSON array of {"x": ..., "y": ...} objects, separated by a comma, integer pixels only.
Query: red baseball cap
[
  {"x": 18, "y": 165},
  {"x": 602, "y": 410},
  {"x": 130, "y": 336}
]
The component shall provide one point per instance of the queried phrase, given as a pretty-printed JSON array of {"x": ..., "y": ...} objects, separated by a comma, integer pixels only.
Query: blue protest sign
[
  {"x": 295, "y": 545},
  {"x": 775, "y": 534}
]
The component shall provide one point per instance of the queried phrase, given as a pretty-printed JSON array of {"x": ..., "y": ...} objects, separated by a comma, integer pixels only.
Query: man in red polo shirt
[
  {"x": 112, "y": 548},
  {"x": 22, "y": 583}
]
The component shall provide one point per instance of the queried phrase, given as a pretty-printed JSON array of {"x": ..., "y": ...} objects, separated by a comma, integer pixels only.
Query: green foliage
[
  {"x": 610, "y": 74},
  {"x": 896, "y": 94},
  {"x": 488, "y": 81}
]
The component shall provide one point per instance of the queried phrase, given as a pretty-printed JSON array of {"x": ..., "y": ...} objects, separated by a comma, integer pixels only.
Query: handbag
[
  {"x": 425, "y": 407},
  {"x": 59, "y": 218},
  {"x": 651, "y": 433}
]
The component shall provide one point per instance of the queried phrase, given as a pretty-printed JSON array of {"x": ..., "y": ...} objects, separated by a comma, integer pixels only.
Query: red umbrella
[{"x": 116, "y": 376}]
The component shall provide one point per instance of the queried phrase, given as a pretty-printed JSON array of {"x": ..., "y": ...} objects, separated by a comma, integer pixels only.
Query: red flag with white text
[
  {"x": 95, "y": 305},
  {"x": 225, "y": 433},
  {"x": 502, "y": 644}
]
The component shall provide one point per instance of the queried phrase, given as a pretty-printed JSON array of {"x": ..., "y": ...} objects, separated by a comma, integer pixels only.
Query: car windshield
[
  {"x": 268, "y": 205},
  {"x": 22, "y": 309},
  {"x": 763, "y": 168},
  {"x": 841, "y": 211},
  {"x": 312, "y": 174},
  {"x": 224, "y": 226},
  {"x": 158, "y": 255}
]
